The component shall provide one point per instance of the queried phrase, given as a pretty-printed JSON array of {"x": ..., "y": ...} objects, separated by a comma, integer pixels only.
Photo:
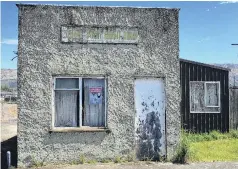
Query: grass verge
[
  {"x": 218, "y": 150},
  {"x": 213, "y": 146}
]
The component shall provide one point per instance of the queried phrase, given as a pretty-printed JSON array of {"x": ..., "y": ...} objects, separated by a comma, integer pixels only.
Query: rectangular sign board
[
  {"x": 70, "y": 34},
  {"x": 95, "y": 95}
]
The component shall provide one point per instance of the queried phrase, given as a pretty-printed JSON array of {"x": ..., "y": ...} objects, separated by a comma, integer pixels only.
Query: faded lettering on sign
[{"x": 99, "y": 35}]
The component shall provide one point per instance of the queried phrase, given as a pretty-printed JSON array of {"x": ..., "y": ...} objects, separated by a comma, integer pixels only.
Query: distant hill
[
  {"x": 233, "y": 73},
  {"x": 9, "y": 76},
  {"x": 228, "y": 65}
]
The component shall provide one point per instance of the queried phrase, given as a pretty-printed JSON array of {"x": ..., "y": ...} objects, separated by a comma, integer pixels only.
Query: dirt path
[
  {"x": 8, "y": 121},
  {"x": 8, "y": 132},
  {"x": 150, "y": 165},
  {"x": 8, "y": 112}
]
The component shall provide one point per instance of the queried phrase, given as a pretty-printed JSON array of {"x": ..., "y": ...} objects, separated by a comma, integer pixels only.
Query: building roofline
[
  {"x": 74, "y": 5},
  {"x": 205, "y": 64}
]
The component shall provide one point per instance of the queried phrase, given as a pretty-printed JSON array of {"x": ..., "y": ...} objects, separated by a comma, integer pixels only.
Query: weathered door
[{"x": 150, "y": 118}]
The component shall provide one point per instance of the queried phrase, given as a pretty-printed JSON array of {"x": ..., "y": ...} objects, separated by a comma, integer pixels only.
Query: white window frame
[
  {"x": 204, "y": 95},
  {"x": 80, "y": 101},
  {"x": 214, "y": 82}
]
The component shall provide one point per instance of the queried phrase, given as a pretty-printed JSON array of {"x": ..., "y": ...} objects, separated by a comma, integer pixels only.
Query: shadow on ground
[{"x": 9, "y": 145}]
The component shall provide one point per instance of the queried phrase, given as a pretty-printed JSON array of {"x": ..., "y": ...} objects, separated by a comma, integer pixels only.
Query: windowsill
[
  {"x": 79, "y": 129},
  {"x": 205, "y": 112}
]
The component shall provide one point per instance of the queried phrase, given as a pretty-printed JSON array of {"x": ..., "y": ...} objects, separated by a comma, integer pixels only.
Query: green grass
[
  {"x": 82, "y": 159},
  {"x": 218, "y": 150},
  {"x": 214, "y": 135},
  {"x": 213, "y": 146}
]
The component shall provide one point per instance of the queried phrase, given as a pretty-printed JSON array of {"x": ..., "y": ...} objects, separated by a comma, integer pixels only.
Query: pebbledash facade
[{"x": 102, "y": 82}]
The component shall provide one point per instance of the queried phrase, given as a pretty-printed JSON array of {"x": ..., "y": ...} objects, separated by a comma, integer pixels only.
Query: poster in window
[{"x": 95, "y": 95}]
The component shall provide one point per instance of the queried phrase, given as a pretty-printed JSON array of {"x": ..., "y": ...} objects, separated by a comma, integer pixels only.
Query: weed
[
  {"x": 106, "y": 161},
  {"x": 207, "y": 137},
  {"x": 74, "y": 162},
  {"x": 92, "y": 162},
  {"x": 147, "y": 159},
  {"x": 163, "y": 159},
  {"x": 131, "y": 157},
  {"x": 118, "y": 159},
  {"x": 36, "y": 163},
  {"x": 233, "y": 133},
  {"x": 82, "y": 159},
  {"x": 215, "y": 135},
  {"x": 182, "y": 153}
]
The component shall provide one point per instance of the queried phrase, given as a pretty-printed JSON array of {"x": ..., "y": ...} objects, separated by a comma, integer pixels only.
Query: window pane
[
  {"x": 94, "y": 102},
  {"x": 212, "y": 94},
  {"x": 197, "y": 96},
  {"x": 67, "y": 83},
  {"x": 66, "y": 108}
]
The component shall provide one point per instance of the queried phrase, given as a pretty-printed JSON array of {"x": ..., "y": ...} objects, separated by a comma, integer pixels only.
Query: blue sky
[{"x": 206, "y": 29}]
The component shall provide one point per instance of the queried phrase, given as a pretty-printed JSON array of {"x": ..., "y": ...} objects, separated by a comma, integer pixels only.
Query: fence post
[
  {"x": 233, "y": 108},
  {"x": 8, "y": 159}
]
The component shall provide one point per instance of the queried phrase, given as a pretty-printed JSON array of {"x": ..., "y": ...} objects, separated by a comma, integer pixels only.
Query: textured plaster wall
[{"x": 41, "y": 55}]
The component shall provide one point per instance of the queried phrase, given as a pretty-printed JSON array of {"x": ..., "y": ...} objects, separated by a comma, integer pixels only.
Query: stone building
[{"x": 101, "y": 82}]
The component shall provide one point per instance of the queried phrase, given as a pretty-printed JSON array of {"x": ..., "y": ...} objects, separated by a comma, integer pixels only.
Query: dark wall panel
[{"x": 204, "y": 122}]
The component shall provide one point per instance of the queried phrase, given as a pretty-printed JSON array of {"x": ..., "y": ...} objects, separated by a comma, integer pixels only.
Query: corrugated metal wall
[{"x": 204, "y": 122}]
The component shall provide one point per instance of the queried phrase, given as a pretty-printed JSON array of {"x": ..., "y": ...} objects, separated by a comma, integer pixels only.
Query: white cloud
[
  {"x": 228, "y": 2},
  {"x": 210, "y": 9},
  {"x": 10, "y": 41},
  {"x": 204, "y": 39}
]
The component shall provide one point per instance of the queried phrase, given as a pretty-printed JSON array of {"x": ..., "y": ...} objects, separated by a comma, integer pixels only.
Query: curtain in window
[
  {"x": 212, "y": 94},
  {"x": 94, "y": 103},
  {"x": 197, "y": 96},
  {"x": 66, "y": 105}
]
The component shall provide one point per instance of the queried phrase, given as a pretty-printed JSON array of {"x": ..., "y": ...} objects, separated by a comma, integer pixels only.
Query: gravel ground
[{"x": 149, "y": 165}]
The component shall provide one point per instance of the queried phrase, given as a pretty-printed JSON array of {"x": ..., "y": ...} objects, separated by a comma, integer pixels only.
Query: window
[
  {"x": 79, "y": 102},
  {"x": 212, "y": 94},
  {"x": 204, "y": 97}
]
